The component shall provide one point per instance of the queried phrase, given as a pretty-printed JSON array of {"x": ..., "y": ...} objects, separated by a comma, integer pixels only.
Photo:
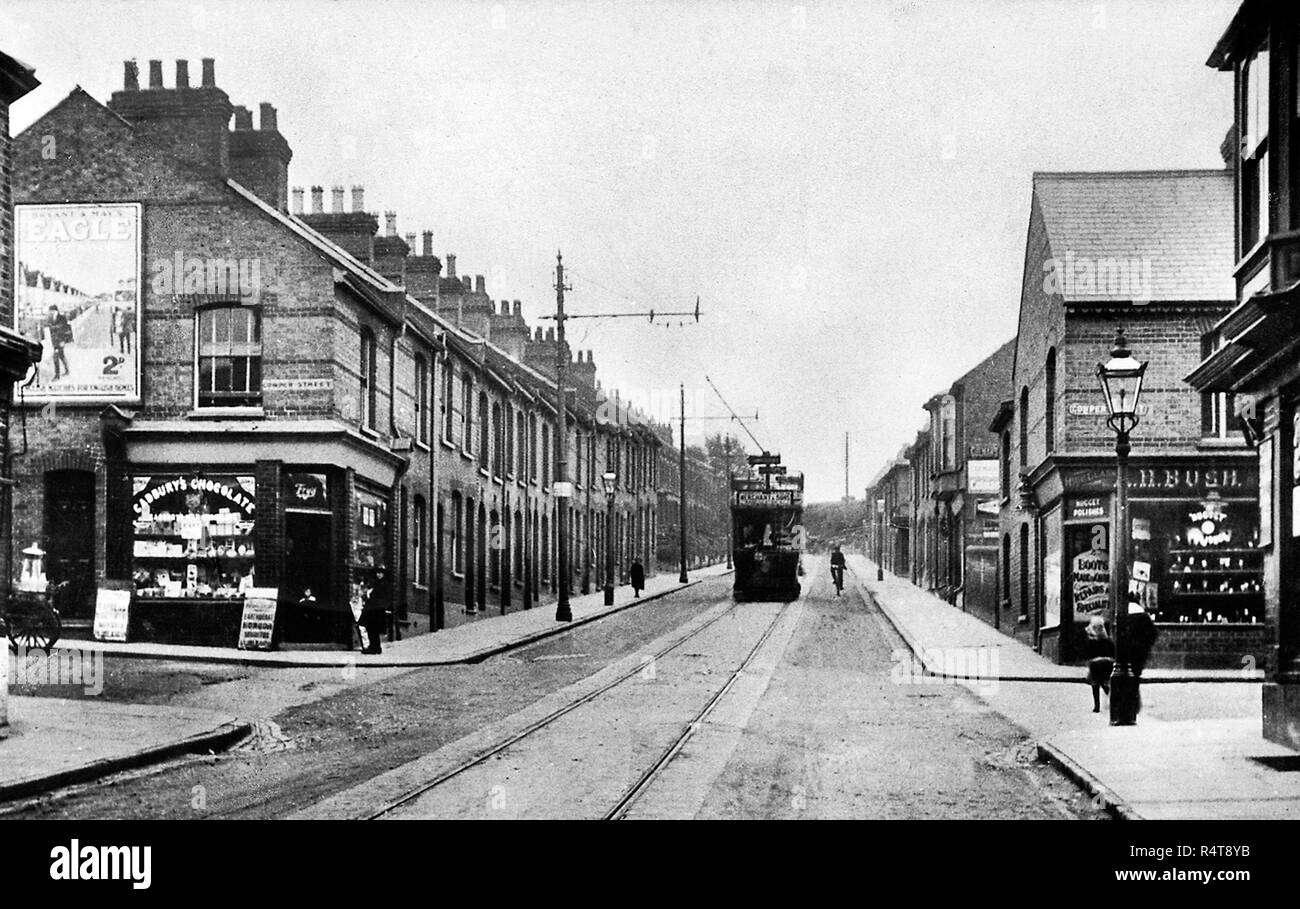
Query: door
[
  {"x": 309, "y": 566},
  {"x": 70, "y": 538}
]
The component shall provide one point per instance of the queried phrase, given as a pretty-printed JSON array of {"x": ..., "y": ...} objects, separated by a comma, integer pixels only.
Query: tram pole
[
  {"x": 681, "y": 489},
  {"x": 561, "y": 492}
]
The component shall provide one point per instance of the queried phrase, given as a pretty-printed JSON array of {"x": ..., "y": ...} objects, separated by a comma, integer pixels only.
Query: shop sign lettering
[{"x": 1190, "y": 479}]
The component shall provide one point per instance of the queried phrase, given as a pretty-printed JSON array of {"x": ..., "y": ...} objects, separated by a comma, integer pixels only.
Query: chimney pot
[
  {"x": 410, "y": 242},
  {"x": 519, "y": 309},
  {"x": 155, "y": 74},
  {"x": 317, "y": 200},
  {"x": 358, "y": 198},
  {"x": 297, "y": 200},
  {"x": 182, "y": 74},
  {"x": 480, "y": 286},
  {"x": 538, "y": 336},
  {"x": 337, "y": 193},
  {"x": 428, "y": 242},
  {"x": 451, "y": 265},
  {"x": 268, "y": 119},
  {"x": 131, "y": 81},
  {"x": 209, "y": 72},
  {"x": 550, "y": 334},
  {"x": 390, "y": 223},
  {"x": 243, "y": 118},
  {"x": 505, "y": 307}
]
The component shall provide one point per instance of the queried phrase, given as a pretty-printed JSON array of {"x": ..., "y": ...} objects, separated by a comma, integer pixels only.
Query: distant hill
[{"x": 835, "y": 522}]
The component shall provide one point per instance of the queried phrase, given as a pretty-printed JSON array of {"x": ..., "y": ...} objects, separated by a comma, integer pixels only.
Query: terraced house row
[{"x": 243, "y": 389}]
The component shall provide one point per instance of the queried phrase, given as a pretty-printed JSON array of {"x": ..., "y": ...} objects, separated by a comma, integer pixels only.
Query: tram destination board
[{"x": 766, "y": 498}]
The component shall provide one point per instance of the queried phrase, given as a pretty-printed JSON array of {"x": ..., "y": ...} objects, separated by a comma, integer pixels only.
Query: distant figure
[
  {"x": 60, "y": 336},
  {"x": 374, "y": 613},
  {"x": 1100, "y": 650},
  {"x": 637, "y": 572},
  {"x": 837, "y": 568},
  {"x": 124, "y": 327}
]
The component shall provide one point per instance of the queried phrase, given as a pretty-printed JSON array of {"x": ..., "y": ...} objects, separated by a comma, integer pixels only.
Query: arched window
[
  {"x": 422, "y": 399},
  {"x": 498, "y": 441},
  {"x": 229, "y": 351},
  {"x": 369, "y": 377},
  {"x": 448, "y": 403},
  {"x": 1049, "y": 404},
  {"x": 484, "y": 430},
  {"x": 467, "y": 412},
  {"x": 1023, "y": 419},
  {"x": 421, "y": 540}
]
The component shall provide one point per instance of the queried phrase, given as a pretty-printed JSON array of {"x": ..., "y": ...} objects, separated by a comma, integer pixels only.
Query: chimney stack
[
  {"x": 358, "y": 198},
  {"x": 267, "y": 118},
  {"x": 519, "y": 309},
  {"x": 336, "y": 192},
  {"x": 297, "y": 200},
  {"x": 155, "y": 74},
  {"x": 428, "y": 242},
  {"x": 182, "y": 74},
  {"x": 390, "y": 223},
  {"x": 550, "y": 334},
  {"x": 209, "y": 73},
  {"x": 131, "y": 82},
  {"x": 192, "y": 124},
  {"x": 451, "y": 265},
  {"x": 318, "y": 200},
  {"x": 243, "y": 118},
  {"x": 480, "y": 286},
  {"x": 410, "y": 241}
]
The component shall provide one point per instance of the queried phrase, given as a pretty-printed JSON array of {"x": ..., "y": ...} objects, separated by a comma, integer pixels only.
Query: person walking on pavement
[
  {"x": 1100, "y": 650},
  {"x": 1136, "y": 640},
  {"x": 837, "y": 567},
  {"x": 637, "y": 572}
]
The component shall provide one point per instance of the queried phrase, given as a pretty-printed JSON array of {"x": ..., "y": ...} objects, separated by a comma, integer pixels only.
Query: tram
[{"x": 766, "y": 530}]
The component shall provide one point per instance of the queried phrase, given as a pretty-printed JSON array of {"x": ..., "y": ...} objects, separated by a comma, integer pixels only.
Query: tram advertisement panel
[{"x": 77, "y": 291}]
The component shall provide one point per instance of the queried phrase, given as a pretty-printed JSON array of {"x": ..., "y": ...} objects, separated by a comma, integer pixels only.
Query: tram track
[{"x": 631, "y": 795}]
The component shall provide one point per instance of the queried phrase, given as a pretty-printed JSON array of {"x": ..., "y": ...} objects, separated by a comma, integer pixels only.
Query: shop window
[
  {"x": 420, "y": 541},
  {"x": 193, "y": 535},
  {"x": 229, "y": 352},
  {"x": 457, "y": 516},
  {"x": 422, "y": 399}
]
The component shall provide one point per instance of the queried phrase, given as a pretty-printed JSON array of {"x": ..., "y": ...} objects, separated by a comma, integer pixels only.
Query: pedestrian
[
  {"x": 60, "y": 336},
  {"x": 837, "y": 567},
  {"x": 374, "y": 613},
  {"x": 1100, "y": 650},
  {"x": 125, "y": 329},
  {"x": 638, "y": 576}
]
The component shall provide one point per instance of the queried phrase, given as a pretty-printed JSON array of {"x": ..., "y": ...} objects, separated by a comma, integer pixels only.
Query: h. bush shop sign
[{"x": 77, "y": 292}]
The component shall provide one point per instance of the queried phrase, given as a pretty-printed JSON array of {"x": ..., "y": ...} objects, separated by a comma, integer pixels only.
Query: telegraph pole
[
  {"x": 681, "y": 491},
  {"x": 726, "y": 452},
  {"x": 562, "y": 490}
]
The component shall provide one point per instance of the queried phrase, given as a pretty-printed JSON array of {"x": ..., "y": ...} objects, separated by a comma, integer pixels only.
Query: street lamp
[
  {"x": 880, "y": 539},
  {"x": 609, "y": 480},
  {"x": 1121, "y": 383}
]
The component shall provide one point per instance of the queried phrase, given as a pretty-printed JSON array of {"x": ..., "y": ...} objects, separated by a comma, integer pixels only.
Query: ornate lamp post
[
  {"x": 880, "y": 539},
  {"x": 609, "y": 480},
  {"x": 1121, "y": 383}
]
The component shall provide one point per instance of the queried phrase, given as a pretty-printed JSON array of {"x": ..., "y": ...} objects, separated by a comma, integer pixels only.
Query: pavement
[
  {"x": 1196, "y": 753},
  {"x": 50, "y": 743},
  {"x": 486, "y": 636}
]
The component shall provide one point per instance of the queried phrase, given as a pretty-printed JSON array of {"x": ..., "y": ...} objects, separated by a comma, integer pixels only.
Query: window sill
[
  {"x": 226, "y": 413},
  {"x": 423, "y": 446},
  {"x": 447, "y": 444},
  {"x": 423, "y": 588},
  {"x": 468, "y": 456},
  {"x": 458, "y": 575},
  {"x": 1217, "y": 443},
  {"x": 368, "y": 432}
]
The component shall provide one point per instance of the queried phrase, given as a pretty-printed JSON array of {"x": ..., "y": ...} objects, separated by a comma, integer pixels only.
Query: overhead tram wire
[{"x": 735, "y": 416}]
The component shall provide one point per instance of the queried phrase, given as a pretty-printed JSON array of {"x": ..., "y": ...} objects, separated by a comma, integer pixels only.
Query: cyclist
[{"x": 837, "y": 568}]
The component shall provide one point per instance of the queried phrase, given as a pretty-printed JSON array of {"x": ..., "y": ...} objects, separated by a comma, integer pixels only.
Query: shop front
[{"x": 1195, "y": 558}]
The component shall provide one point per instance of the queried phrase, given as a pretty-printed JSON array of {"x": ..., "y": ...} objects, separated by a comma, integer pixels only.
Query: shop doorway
[
  {"x": 70, "y": 538},
  {"x": 308, "y": 565}
]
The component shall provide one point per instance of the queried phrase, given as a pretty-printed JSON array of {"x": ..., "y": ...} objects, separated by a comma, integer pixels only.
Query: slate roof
[{"x": 1169, "y": 233}]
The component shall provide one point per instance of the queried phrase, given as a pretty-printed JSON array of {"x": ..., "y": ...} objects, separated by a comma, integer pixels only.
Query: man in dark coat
[
  {"x": 1138, "y": 636},
  {"x": 60, "y": 336},
  {"x": 637, "y": 572},
  {"x": 374, "y": 614}
]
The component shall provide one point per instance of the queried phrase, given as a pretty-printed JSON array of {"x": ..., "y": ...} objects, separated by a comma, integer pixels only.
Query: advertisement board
[
  {"x": 77, "y": 292},
  {"x": 982, "y": 477}
]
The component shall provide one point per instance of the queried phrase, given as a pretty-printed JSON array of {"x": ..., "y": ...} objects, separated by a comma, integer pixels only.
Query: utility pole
[
  {"x": 562, "y": 490},
  {"x": 846, "y": 467},
  {"x": 681, "y": 496},
  {"x": 726, "y": 451}
]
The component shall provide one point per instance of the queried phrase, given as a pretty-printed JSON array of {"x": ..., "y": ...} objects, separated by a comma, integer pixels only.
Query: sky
[{"x": 845, "y": 186}]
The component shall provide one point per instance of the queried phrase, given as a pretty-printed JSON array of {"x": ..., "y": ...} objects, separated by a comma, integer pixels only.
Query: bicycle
[
  {"x": 837, "y": 575},
  {"x": 32, "y": 620}
]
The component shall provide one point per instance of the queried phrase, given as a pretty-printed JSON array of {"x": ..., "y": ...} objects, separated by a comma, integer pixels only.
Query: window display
[{"x": 193, "y": 536}]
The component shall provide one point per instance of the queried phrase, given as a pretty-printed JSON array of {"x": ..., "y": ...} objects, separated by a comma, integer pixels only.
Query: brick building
[
  {"x": 1150, "y": 252},
  {"x": 17, "y": 354},
  {"x": 888, "y": 530},
  {"x": 1251, "y": 352},
  {"x": 248, "y": 395}
]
